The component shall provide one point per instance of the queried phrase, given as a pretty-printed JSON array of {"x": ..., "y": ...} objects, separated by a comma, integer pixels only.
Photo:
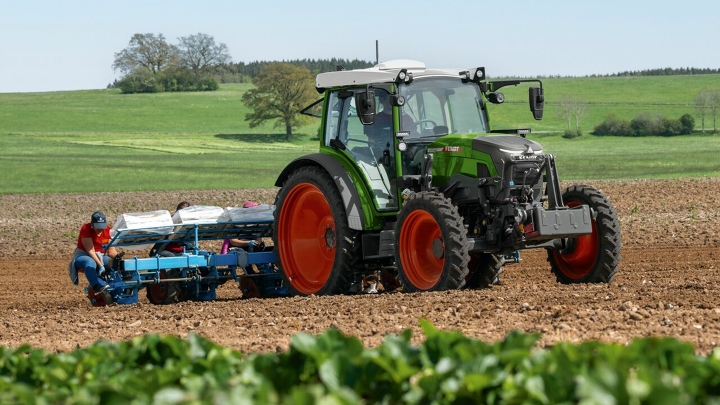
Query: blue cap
[{"x": 98, "y": 220}]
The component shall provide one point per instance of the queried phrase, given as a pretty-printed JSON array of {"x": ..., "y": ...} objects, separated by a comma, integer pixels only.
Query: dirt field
[{"x": 667, "y": 284}]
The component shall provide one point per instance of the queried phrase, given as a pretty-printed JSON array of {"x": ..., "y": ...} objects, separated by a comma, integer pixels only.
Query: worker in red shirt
[{"x": 90, "y": 257}]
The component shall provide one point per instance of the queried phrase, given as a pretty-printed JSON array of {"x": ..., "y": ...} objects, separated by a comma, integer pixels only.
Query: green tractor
[{"x": 410, "y": 184}]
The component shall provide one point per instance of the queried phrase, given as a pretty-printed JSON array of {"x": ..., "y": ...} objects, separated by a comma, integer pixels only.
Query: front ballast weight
[
  {"x": 579, "y": 228},
  {"x": 513, "y": 214}
]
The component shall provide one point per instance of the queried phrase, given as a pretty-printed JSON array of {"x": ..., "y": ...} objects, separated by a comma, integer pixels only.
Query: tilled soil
[{"x": 666, "y": 286}]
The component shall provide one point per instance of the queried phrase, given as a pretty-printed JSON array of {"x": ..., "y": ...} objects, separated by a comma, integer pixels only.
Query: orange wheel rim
[
  {"x": 421, "y": 265},
  {"x": 578, "y": 263},
  {"x": 306, "y": 238}
]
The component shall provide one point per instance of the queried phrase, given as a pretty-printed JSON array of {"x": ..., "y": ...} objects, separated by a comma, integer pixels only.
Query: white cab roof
[{"x": 384, "y": 72}]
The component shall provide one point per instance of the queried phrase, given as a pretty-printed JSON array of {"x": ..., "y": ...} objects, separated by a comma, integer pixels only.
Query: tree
[
  {"x": 281, "y": 91},
  {"x": 578, "y": 112},
  {"x": 572, "y": 108},
  {"x": 145, "y": 51},
  {"x": 702, "y": 105},
  {"x": 201, "y": 55},
  {"x": 714, "y": 107}
]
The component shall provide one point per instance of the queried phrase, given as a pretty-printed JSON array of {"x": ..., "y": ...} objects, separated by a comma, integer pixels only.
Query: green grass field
[{"x": 101, "y": 140}]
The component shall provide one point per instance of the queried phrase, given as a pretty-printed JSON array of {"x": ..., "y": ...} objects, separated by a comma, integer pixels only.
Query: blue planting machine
[{"x": 195, "y": 274}]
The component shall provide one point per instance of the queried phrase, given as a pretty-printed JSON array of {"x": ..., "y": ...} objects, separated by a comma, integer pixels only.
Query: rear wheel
[
  {"x": 315, "y": 248},
  {"x": 431, "y": 244},
  {"x": 591, "y": 258},
  {"x": 165, "y": 293},
  {"x": 485, "y": 269}
]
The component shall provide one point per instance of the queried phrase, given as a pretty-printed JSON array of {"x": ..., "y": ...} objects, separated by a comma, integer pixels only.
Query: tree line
[
  {"x": 666, "y": 72},
  {"x": 250, "y": 70},
  {"x": 151, "y": 64}
]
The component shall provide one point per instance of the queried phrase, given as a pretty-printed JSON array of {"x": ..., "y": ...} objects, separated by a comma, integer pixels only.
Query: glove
[
  {"x": 101, "y": 271},
  {"x": 252, "y": 243}
]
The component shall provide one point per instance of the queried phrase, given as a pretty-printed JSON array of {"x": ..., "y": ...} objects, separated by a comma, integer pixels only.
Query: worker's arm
[
  {"x": 111, "y": 253},
  {"x": 90, "y": 249},
  {"x": 241, "y": 243}
]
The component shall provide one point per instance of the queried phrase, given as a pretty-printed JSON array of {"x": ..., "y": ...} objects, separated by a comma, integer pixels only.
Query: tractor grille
[{"x": 524, "y": 172}]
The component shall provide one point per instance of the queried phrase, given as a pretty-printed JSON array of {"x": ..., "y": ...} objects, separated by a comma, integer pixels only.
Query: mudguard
[{"x": 350, "y": 196}]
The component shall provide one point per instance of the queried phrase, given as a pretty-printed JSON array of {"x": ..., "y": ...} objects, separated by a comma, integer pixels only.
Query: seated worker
[
  {"x": 169, "y": 249},
  {"x": 246, "y": 244},
  {"x": 380, "y": 132},
  {"x": 90, "y": 257}
]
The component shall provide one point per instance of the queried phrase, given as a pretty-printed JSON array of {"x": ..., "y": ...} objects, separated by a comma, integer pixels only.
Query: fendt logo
[{"x": 446, "y": 149}]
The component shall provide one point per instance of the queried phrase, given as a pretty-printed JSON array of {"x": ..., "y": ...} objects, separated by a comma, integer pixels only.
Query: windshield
[{"x": 440, "y": 106}]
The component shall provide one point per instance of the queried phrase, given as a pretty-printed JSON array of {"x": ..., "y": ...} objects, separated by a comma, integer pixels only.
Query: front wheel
[
  {"x": 315, "y": 248},
  {"x": 485, "y": 269},
  {"x": 431, "y": 250},
  {"x": 591, "y": 258}
]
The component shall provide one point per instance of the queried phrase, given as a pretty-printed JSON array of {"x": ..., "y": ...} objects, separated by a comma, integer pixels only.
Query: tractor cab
[{"x": 385, "y": 119}]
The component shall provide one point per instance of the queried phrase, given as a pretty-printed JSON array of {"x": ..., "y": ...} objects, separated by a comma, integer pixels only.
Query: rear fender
[{"x": 356, "y": 216}]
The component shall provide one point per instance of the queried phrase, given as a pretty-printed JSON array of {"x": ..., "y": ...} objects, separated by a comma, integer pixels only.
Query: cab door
[{"x": 370, "y": 146}]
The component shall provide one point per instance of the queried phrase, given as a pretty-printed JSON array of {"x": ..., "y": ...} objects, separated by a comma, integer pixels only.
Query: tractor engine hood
[{"x": 505, "y": 149}]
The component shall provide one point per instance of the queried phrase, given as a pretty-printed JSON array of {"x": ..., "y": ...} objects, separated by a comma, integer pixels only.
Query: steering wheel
[{"x": 417, "y": 123}]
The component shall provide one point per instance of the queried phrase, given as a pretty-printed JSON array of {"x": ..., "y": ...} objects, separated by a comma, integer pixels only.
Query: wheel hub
[
  {"x": 569, "y": 246},
  {"x": 437, "y": 248},
  {"x": 330, "y": 238}
]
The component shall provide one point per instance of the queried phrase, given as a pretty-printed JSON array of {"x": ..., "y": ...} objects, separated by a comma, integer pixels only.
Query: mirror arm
[{"x": 495, "y": 86}]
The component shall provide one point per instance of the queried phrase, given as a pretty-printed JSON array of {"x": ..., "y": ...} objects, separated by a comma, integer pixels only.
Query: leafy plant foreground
[{"x": 332, "y": 368}]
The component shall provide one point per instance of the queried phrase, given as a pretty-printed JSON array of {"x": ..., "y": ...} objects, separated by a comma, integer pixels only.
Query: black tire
[
  {"x": 485, "y": 270},
  {"x": 315, "y": 249},
  {"x": 431, "y": 250},
  {"x": 591, "y": 258},
  {"x": 165, "y": 293}
]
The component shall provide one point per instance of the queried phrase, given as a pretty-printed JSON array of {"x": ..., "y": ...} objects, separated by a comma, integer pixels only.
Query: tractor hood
[
  {"x": 508, "y": 148},
  {"x": 512, "y": 144}
]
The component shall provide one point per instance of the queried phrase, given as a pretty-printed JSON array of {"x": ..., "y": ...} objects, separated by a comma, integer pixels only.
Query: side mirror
[
  {"x": 537, "y": 102},
  {"x": 386, "y": 156},
  {"x": 365, "y": 105}
]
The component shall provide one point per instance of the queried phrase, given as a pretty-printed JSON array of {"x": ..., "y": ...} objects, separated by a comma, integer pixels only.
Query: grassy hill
[
  {"x": 101, "y": 140},
  {"x": 626, "y": 97}
]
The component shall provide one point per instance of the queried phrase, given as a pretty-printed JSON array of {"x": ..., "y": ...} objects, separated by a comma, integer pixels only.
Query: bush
[
  {"x": 613, "y": 126},
  {"x": 668, "y": 127},
  {"x": 645, "y": 124},
  {"x": 208, "y": 84},
  {"x": 572, "y": 133},
  {"x": 688, "y": 124},
  {"x": 140, "y": 81}
]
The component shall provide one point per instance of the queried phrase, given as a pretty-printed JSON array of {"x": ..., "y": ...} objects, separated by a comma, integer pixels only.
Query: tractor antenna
[{"x": 377, "y": 52}]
